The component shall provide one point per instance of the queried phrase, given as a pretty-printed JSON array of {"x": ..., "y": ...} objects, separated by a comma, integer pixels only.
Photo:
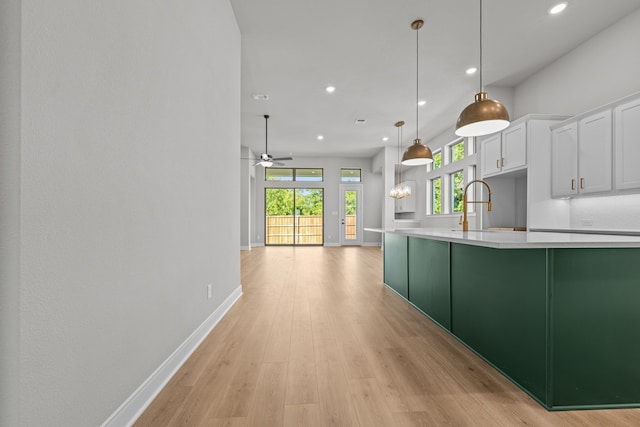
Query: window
[
  {"x": 437, "y": 159},
  {"x": 452, "y": 168},
  {"x": 293, "y": 174},
  {"x": 457, "y": 190},
  {"x": 278, "y": 174},
  {"x": 457, "y": 151},
  {"x": 308, "y": 175},
  {"x": 350, "y": 175},
  {"x": 436, "y": 195}
]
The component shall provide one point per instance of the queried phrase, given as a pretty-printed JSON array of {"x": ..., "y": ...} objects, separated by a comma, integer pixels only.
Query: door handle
[
  {"x": 497, "y": 163},
  {"x": 573, "y": 184},
  {"x": 582, "y": 183},
  {"x": 342, "y": 221}
]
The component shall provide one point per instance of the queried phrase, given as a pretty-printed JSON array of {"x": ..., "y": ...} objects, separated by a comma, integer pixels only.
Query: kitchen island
[{"x": 557, "y": 313}]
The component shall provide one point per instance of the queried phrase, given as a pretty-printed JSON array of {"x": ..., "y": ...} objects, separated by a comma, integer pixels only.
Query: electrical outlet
[{"x": 209, "y": 291}]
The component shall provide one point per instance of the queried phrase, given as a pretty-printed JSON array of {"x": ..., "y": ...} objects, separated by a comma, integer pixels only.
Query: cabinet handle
[
  {"x": 582, "y": 183},
  {"x": 573, "y": 184},
  {"x": 502, "y": 160},
  {"x": 497, "y": 163}
]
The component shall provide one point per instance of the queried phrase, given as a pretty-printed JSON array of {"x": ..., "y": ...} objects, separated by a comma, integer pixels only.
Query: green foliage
[
  {"x": 280, "y": 201},
  {"x": 457, "y": 179},
  {"x": 436, "y": 187},
  {"x": 457, "y": 151},
  {"x": 437, "y": 160},
  {"x": 350, "y": 202},
  {"x": 309, "y": 201}
]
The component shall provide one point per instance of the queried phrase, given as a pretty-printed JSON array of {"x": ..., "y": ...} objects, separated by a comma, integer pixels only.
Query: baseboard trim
[
  {"x": 257, "y": 245},
  {"x": 371, "y": 244},
  {"x": 332, "y": 244},
  {"x": 245, "y": 248},
  {"x": 135, "y": 404}
]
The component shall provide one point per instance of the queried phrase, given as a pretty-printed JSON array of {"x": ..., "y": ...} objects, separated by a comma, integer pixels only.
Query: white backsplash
[{"x": 606, "y": 213}]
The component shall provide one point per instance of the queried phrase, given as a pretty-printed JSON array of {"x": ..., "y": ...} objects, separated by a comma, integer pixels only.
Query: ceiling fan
[{"x": 266, "y": 159}]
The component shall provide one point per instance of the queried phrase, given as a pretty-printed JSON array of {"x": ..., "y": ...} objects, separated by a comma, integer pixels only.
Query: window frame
[
  {"x": 351, "y": 169},
  {"x": 294, "y": 175},
  {"x": 466, "y": 164}
]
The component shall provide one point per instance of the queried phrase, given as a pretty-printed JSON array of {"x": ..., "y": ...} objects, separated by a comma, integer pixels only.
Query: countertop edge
[{"x": 519, "y": 239}]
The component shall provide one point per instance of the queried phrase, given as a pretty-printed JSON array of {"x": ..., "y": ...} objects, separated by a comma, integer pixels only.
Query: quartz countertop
[{"x": 518, "y": 239}]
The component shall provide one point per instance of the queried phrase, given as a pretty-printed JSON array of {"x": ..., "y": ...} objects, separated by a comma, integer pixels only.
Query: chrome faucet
[{"x": 465, "y": 223}]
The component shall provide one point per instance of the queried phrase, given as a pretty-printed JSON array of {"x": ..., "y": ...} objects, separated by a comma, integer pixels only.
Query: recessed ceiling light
[
  {"x": 385, "y": 139},
  {"x": 320, "y": 137},
  {"x": 471, "y": 70},
  {"x": 330, "y": 89},
  {"x": 422, "y": 102},
  {"x": 558, "y": 8}
]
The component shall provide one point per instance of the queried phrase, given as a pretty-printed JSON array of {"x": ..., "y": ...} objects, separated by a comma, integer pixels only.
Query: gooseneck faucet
[{"x": 465, "y": 223}]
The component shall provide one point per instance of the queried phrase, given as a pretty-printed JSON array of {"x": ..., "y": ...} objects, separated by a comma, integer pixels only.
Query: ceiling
[{"x": 293, "y": 49}]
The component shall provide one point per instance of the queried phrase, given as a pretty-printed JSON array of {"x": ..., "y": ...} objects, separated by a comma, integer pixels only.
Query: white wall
[
  {"x": 372, "y": 194},
  {"x": 247, "y": 172},
  {"x": 130, "y": 121},
  {"x": 9, "y": 211},
  {"x": 601, "y": 70}
]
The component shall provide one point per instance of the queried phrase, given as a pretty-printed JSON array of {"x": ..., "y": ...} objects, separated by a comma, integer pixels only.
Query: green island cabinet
[{"x": 561, "y": 323}]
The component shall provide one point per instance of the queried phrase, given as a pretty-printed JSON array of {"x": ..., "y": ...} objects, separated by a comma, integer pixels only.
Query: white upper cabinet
[
  {"x": 581, "y": 156},
  {"x": 594, "y": 153},
  {"x": 564, "y": 160},
  {"x": 627, "y": 145},
  {"x": 491, "y": 155},
  {"x": 514, "y": 147},
  {"x": 505, "y": 151}
]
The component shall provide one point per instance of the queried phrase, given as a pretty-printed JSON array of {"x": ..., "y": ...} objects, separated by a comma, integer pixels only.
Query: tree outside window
[
  {"x": 457, "y": 185},
  {"x": 457, "y": 151},
  {"x": 436, "y": 195}
]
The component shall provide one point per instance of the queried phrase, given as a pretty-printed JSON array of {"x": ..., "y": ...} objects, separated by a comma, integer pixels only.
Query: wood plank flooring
[{"x": 318, "y": 340}]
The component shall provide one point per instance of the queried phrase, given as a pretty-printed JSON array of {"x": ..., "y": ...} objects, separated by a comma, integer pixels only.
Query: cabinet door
[
  {"x": 491, "y": 155},
  {"x": 564, "y": 161},
  {"x": 514, "y": 148},
  {"x": 627, "y": 145},
  {"x": 594, "y": 153}
]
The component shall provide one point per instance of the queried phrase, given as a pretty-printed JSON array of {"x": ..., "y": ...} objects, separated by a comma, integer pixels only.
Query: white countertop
[{"x": 518, "y": 239}]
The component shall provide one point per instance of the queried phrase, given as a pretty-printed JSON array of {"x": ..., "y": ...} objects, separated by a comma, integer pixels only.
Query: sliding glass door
[{"x": 294, "y": 216}]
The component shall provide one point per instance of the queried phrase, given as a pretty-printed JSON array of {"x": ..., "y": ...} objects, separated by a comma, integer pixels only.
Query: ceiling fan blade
[
  {"x": 282, "y": 158},
  {"x": 278, "y": 163}
]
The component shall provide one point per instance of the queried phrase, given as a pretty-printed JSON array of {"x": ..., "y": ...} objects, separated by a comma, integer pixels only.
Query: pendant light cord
[
  {"x": 399, "y": 174},
  {"x": 266, "y": 134},
  {"x": 481, "y": 85},
  {"x": 417, "y": 62}
]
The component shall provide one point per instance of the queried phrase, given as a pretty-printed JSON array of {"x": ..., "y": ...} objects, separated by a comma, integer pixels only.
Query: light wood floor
[{"x": 317, "y": 340}]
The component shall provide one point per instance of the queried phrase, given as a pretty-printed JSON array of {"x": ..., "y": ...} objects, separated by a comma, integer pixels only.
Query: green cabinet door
[
  {"x": 499, "y": 308},
  {"x": 429, "y": 288},
  {"x": 596, "y": 327},
  {"x": 395, "y": 263}
]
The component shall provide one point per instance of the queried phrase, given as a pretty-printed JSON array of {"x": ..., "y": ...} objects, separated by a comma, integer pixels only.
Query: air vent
[
  {"x": 260, "y": 97},
  {"x": 359, "y": 122}
]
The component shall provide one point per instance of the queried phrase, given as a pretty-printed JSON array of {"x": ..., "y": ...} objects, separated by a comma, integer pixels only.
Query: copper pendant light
[
  {"x": 417, "y": 154},
  {"x": 484, "y": 116}
]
